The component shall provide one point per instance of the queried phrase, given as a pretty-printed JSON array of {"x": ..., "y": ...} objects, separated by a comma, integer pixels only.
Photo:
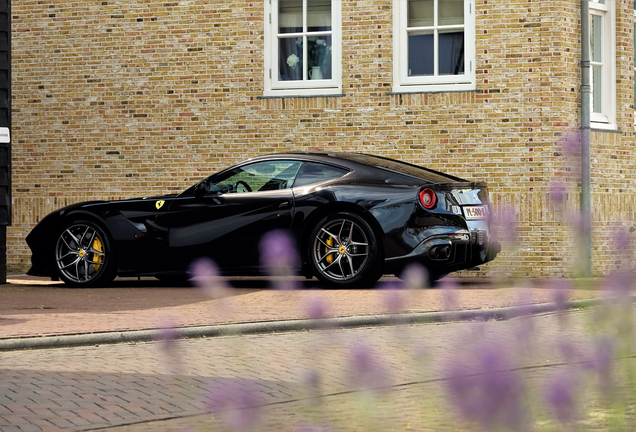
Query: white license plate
[{"x": 476, "y": 212}]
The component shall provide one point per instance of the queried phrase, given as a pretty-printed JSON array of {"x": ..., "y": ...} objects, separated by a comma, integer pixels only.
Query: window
[
  {"x": 260, "y": 176},
  {"x": 602, "y": 64},
  {"x": 434, "y": 45},
  {"x": 302, "y": 47},
  {"x": 311, "y": 173}
]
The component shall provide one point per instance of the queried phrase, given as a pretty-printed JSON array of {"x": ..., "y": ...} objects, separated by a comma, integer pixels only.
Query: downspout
[{"x": 586, "y": 178}]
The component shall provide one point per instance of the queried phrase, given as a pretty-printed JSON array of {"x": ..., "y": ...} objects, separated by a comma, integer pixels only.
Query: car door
[{"x": 226, "y": 216}]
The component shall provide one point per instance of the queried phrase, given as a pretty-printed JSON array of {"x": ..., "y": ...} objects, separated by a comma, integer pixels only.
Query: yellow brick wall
[{"x": 121, "y": 98}]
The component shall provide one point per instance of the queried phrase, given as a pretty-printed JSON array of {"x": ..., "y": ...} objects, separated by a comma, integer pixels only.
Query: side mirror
[{"x": 200, "y": 190}]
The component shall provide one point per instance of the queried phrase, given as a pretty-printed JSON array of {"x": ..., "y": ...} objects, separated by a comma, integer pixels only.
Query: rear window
[
  {"x": 401, "y": 167},
  {"x": 311, "y": 173}
]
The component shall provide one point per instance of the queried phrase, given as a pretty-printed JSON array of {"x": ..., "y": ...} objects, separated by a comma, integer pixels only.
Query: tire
[
  {"x": 343, "y": 251},
  {"x": 83, "y": 255}
]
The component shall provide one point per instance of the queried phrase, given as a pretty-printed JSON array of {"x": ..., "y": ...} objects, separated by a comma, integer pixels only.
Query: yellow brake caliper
[
  {"x": 330, "y": 256},
  {"x": 97, "y": 245}
]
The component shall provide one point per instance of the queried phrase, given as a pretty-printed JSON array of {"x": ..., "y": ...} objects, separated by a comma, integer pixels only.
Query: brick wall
[{"x": 126, "y": 98}]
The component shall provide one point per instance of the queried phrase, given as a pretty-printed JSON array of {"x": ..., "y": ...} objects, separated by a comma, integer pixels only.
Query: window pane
[
  {"x": 318, "y": 15},
  {"x": 451, "y": 12},
  {"x": 421, "y": 13},
  {"x": 311, "y": 173},
  {"x": 421, "y": 53},
  {"x": 596, "y": 33},
  {"x": 451, "y": 52},
  {"x": 596, "y": 89},
  {"x": 290, "y": 54},
  {"x": 319, "y": 57},
  {"x": 290, "y": 16}
]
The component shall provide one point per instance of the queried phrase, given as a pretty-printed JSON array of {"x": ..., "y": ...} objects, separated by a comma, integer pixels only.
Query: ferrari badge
[{"x": 160, "y": 204}]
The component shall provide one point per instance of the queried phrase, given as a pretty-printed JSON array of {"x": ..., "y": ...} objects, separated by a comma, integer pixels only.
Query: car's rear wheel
[
  {"x": 343, "y": 251},
  {"x": 83, "y": 254}
]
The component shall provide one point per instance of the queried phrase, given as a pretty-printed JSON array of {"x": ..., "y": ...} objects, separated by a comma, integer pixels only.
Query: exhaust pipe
[{"x": 442, "y": 252}]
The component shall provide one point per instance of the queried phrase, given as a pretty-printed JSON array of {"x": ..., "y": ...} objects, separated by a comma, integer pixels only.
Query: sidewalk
[{"x": 36, "y": 307}]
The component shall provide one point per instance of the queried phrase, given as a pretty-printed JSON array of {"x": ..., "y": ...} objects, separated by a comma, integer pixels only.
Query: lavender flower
[
  {"x": 278, "y": 251},
  {"x": 317, "y": 309},
  {"x": 449, "y": 289},
  {"x": 561, "y": 293},
  {"x": 618, "y": 285},
  {"x": 310, "y": 428},
  {"x": 601, "y": 360},
  {"x": 206, "y": 277},
  {"x": 236, "y": 405},
  {"x": 558, "y": 192},
  {"x": 571, "y": 145},
  {"x": 484, "y": 390},
  {"x": 503, "y": 224},
  {"x": 393, "y": 296},
  {"x": 280, "y": 257},
  {"x": 367, "y": 371},
  {"x": 415, "y": 276},
  {"x": 560, "y": 396},
  {"x": 168, "y": 337}
]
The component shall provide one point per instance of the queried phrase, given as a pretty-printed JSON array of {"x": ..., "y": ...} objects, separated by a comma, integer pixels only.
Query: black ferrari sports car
[{"x": 353, "y": 216}]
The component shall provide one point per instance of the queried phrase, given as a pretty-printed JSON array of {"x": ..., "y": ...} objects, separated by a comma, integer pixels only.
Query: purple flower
[
  {"x": 558, "y": 192},
  {"x": 278, "y": 252},
  {"x": 601, "y": 360},
  {"x": 562, "y": 292},
  {"x": 449, "y": 290},
  {"x": 317, "y": 309},
  {"x": 367, "y": 371},
  {"x": 207, "y": 278},
  {"x": 393, "y": 296},
  {"x": 560, "y": 396},
  {"x": 313, "y": 381},
  {"x": 236, "y": 405},
  {"x": 621, "y": 240},
  {"x": 168, "y": 337},
  {"x": 486, "y": 391},
  {"x": 571, "y": 145},
  {"x": 503, "y": 224},
  {"x": 310, "y": 428},
  {"x": 415, "y": 276},
  {"x": 618, "y": 285}
]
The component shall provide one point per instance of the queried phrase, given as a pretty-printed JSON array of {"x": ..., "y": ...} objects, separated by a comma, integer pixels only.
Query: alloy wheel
[
  {"x": 80, "y": 253},
  {"x": 340, "y": 249}
]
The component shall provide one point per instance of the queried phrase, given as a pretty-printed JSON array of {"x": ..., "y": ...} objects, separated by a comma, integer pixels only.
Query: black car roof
[{"x": 350, "y": 160}]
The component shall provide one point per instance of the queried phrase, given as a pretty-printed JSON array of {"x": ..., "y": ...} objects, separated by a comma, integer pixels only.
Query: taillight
[{"x": 428, "y": 199}]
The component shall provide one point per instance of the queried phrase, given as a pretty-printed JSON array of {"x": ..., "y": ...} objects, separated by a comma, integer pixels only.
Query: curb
[{"x": 291, "y": 325}]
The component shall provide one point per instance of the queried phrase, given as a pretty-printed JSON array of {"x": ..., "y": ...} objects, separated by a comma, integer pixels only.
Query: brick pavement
[
  {"x": 158, "y": 387},
  {"x": 38, "y": 307}
]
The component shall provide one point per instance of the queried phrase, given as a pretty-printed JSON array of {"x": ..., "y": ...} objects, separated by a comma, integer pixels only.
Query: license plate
[{"x": 476, "y": 212}]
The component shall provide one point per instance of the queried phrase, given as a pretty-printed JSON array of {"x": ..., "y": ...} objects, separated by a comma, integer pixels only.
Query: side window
[
  {"x": 302, "y": 47},
  {"x": 433, "y": 45},
  {"x": 257, "y": 177},
  {"x": 311, "y": 173}
]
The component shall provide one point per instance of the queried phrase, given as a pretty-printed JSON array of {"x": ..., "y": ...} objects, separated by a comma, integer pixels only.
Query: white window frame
[
  {"x": 402, "y": 83},
  {"x": 274, "y": 86},
  {"x": 606, "y": 119}
]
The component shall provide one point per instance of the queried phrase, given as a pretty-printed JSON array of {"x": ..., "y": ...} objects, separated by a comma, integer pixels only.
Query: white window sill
[
  {"x": 334, "y": 91},
  {"x": 434, "y": 88},
  {"x": 603, "y": 126}
]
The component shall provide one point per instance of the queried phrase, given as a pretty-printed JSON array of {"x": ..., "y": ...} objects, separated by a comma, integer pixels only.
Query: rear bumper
[{"x": 448, "y": 253}]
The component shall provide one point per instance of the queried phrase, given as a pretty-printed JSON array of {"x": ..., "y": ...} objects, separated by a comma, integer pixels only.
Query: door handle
[{"x": 283, "y": 205}]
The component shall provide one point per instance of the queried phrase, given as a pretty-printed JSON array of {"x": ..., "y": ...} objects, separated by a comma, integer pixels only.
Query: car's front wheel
[
  {"x": 343, "y": 251},
  {"x": 84, "y": 255}
]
